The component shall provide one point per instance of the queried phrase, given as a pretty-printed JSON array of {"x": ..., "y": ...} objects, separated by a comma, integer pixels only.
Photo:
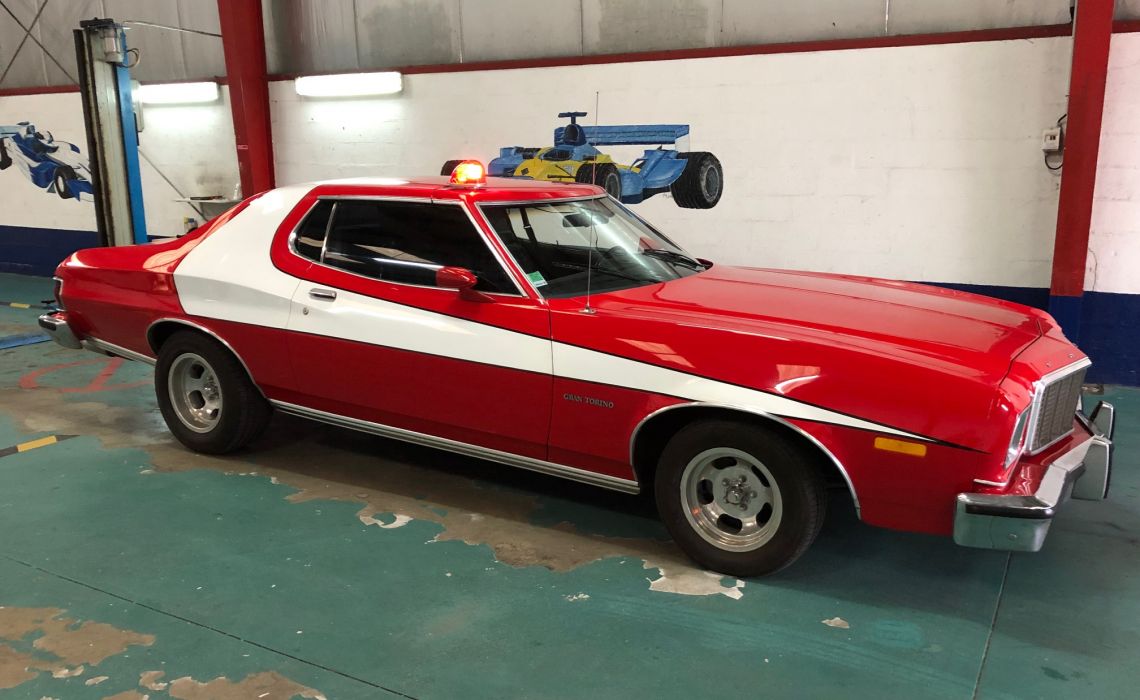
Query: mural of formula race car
[
  {"x": 695, "y": 178},
  {"x": 56, "y": 166}
]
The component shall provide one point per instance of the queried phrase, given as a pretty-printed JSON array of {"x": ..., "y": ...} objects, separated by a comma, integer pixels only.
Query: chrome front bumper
[
  {"x": 56, "y": 326},
  {"x": 1020, "y": 522}
]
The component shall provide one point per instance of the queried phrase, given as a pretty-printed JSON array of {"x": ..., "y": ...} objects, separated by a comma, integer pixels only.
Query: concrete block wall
[
  {"x": 189, "y": 150},
  {"x": 1111, "y": 315},
  {"x": 916, "y": 162},
  {"x": 919, "y": 163}
]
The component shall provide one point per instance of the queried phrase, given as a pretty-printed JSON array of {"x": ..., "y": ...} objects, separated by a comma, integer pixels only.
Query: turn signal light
[
  {"x": 914, "y": 449},
  {"x": 469, "y": 172}
]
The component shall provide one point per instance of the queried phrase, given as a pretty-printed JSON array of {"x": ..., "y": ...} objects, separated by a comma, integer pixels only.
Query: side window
[
  {"x": 311, "y": 233},
  {"x": 407, "y": 242}
]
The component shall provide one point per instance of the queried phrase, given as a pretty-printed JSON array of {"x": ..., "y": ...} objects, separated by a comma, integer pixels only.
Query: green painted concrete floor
[{"x": 326, "y": 563}]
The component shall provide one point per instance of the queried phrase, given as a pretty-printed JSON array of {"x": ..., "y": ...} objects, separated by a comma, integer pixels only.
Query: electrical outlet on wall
[{"x": 1051, "y": 140}]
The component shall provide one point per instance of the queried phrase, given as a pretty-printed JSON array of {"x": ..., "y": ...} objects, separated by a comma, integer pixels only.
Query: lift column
[{"x": 112, "y": 138}]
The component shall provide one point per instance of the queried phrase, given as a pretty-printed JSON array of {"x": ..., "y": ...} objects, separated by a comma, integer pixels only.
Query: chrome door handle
[{"x": 326, "y": 294}]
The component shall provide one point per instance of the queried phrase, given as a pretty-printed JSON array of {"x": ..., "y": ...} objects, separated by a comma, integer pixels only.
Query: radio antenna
[{"x": 593, "y": 224}]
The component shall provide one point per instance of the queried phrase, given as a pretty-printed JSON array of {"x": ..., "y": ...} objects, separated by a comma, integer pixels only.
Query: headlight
[{"x": 1014, "y": 450}]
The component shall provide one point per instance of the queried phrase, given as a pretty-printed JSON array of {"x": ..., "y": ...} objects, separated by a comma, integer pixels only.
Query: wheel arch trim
[
  {"x": 202, "y": 329},
  {"x": 759, "y": 414}
]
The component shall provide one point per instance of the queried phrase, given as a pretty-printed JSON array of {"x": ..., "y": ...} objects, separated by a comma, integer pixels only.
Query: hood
[{"x": 914, "y": 321}]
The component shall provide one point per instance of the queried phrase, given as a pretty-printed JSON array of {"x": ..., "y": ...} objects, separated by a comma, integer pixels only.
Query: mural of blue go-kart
[
  {"x": 695, "y": 179},
  {"x": 56, "y": 166}
]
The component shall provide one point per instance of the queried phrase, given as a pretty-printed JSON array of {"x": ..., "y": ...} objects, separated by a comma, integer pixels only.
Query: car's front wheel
[
  {"x": 206, "y": 396},
  {"x": 739, "y": 498}
]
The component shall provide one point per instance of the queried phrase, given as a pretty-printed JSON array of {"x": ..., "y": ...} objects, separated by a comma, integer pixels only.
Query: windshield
[{"x": 565, "y": 246}]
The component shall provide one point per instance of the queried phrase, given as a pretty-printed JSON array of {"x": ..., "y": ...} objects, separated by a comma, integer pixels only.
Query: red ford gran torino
[{"x": 548, "y": 327}]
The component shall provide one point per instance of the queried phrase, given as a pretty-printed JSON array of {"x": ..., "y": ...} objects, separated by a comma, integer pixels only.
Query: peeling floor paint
[
  {"x": 65, "y": 645},
  {"x": 56, "y": 638},
  {"x": 15, "y": 667},
  {"x": 690, "y": 581},
  {"x": 149, "y": 680},
  {"x": 399, "y": 520},
  {"x": 393, "y": 492},
  {"x": 266, "y": 686}
]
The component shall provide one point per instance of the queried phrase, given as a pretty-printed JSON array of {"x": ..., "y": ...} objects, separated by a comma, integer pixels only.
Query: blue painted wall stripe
[
  {"x": 1109, "y": 327},
  {"x": 36, "y": 251}
]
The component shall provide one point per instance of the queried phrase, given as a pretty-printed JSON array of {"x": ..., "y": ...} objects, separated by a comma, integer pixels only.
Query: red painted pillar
[
  {"x": 1092, "y": 34},
  {"x": 243, "y": 40}
]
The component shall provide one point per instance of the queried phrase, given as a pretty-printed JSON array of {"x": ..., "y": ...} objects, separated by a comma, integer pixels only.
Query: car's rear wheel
[
  {"x": 449, "y": 167},
  {"x": 701, "y": 183},
  {"x": 604, "y": 175},
  {"x": 62, "y": 176},
  {"x": 739, "y": 498},
  {"x": 206, "y": 396},
  {"x": 5, "y": 159}
]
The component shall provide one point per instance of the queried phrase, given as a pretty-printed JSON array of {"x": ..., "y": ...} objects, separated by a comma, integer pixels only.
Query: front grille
[{"x": 1054, "y": 409}]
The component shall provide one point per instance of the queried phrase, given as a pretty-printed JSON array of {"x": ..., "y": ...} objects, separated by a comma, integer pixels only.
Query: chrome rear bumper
[
  {"x": 1020, "y": 522},
  {"x": 56, "y": 326}
]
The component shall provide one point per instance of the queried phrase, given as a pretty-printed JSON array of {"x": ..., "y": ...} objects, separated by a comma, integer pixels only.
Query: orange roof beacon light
[{"x": 469, "y": 172}]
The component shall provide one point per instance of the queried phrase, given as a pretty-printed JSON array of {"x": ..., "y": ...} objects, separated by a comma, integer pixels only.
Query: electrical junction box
[{"x": 1051, "y": 140}]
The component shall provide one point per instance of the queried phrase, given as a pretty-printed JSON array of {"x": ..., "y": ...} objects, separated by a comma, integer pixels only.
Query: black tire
[
  {"x": 243, "y": 412},
  {"x": 63, "y": 174},
  {"x": 794, "y": 485},
  {"x": 449, "y": 167},
  {"x": 5, "y": 159},
  {"x": 604, "y": 175},
  {"x": 701, "y": 183}
]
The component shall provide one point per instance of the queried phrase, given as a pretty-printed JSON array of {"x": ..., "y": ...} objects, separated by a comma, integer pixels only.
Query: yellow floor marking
[
  {"x": 33, "y": 444},
  {"x": 17, "y": 305}
]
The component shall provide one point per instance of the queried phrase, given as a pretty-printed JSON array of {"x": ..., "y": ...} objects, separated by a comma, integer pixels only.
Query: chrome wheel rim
[
  {"x": 195, "y": 392},
  {"x": 731, "y": 499}
]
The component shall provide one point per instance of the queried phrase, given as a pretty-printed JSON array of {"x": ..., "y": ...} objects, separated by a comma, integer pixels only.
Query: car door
[{"x": 376, "y": 339}]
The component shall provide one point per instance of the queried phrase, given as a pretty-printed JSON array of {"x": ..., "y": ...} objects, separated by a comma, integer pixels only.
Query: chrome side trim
[
  {"x": 996, "y": 484},
  {"x": 102, "y": 346},
  {"x": 535, "y": 465},
  {"x": 207, "y": 331},
  {"x": 1038, "y": 396},
  {"x": 775, "y": 419}
]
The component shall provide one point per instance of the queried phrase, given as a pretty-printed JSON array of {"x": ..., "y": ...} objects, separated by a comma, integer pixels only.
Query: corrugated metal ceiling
[{"x": 315, "y": 36}]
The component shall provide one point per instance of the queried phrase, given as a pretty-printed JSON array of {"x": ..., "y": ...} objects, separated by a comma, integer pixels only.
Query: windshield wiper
[
  {"x": 672, "y": 256},
  {"x": 606, "y": 271}
]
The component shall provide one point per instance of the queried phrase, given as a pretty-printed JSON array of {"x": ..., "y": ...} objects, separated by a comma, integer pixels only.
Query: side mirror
[{"x": 459, "y": 278}]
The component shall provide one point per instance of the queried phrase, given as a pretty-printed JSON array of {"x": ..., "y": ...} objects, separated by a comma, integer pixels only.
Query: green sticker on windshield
[{"x": 536, "y": 278}]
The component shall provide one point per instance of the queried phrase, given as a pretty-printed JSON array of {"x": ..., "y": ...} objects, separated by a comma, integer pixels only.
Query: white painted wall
[
  {"x": 21, "y": 202},
  {"x": 1114, "y": 243},
  {"x": 915, "y": 162},
  {"x": 192, "y": 145}
]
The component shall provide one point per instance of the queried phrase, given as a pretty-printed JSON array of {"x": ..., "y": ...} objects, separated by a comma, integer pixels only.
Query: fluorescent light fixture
[
  {"x": 349, "y": 84},
  {"x": 177, "y": 93}
]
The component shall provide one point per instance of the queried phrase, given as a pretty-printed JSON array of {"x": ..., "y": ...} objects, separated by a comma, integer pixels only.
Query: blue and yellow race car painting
[
  {"x": 695, "y": 178},
  {"x": 56, "y": 166}
]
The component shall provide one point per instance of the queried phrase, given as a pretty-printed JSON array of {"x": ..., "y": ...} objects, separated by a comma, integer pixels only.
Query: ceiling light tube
[
  {"x": 350, "y": 84},
  {"x": 177, "y": 93}
]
